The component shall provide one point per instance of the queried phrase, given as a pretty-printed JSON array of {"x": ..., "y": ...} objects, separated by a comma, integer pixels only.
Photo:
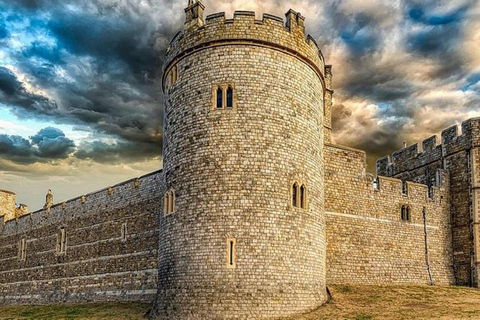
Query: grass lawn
[
  {"x": 120, "y": 311},
  {"x": 349, "y": 302},
  {"x": 399, "y": 302}
]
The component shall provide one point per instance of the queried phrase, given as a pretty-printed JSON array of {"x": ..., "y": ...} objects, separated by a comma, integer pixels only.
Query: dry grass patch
[
  {"x": 398, "y": 302},
  {"x": 349, "y": 302},
  {"x": 120, "y": 311}
]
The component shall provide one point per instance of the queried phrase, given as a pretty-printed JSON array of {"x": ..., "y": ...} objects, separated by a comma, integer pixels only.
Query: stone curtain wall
[
  {"x": 99, "y": 265},
  {"x": 456, "y": 154},
  {"x": 367, "y": 242}
]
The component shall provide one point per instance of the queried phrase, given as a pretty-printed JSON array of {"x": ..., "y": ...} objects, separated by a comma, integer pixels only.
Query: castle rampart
[
  {"x": 456, "y": 154},
  {"x": 368, "y": 242},
  {"x": 109, "y": 253},
  {"x": 408, "y": 159}
]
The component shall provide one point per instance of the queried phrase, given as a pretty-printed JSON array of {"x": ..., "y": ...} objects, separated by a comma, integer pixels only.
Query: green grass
[{"x": 120, "y": 311}]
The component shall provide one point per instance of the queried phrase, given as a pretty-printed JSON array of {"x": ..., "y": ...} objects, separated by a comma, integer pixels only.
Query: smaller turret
[
  {"x": 9, "y": 210},
  {"x": 295, "y": 21},
  {"x": 7, "y": 205},
  {"x": 194, "y": 14}
]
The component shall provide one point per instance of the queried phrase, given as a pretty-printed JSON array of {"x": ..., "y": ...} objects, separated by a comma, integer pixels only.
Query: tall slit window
[
  {"x": 303, "y": 196},
  {"x": 219, "y": 98},
  {"x": 124, "y": 232},
  {"x": 22, "y": 249},
  {"x": 229, "y": 97},
  {"x": 169, "y": 202},
  {"x": 294, "y": 195},
  {"x": 61, "y": 246},
  {"x": 231, "y": 259}
]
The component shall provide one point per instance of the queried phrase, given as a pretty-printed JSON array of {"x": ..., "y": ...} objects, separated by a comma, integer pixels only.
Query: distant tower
[{"x": 243, "y": 230}]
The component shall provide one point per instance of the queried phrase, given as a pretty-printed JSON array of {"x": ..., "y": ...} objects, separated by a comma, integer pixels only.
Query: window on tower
[
  {"x": 295, "y": 195},
  {"x": 223, "y": 96},
  {"x": 219, "y": 98},
  {"x": 169, "y": 202},
  {"x": 303, "y": 196},
  {"x": 298, "y": 193},
  {"x": 229, "y": 97}
]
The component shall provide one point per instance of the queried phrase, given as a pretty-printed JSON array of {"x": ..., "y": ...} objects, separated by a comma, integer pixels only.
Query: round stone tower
[{"x": 242, "y": 235}]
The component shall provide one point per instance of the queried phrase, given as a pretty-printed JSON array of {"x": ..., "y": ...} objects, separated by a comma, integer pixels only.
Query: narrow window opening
[
  {"x": 231, "y": 262},
  {"x": 294, "y": 195},
  {"x": 61, "y": 246},
  {"x": 229, "y": 97},
  {"x": 22, "y": 253},
  {"x": 165, "y": 204},
  {"x": 169, "y": 202},
  {"x": 219, "y": 98},
  {"x": 303, "y": 196},
  {"x": 404, "y": 187},
  {"x": 124, "y": 232},
  {"x": 403, "y": 213},
  {"x": 407, "y": 217}
]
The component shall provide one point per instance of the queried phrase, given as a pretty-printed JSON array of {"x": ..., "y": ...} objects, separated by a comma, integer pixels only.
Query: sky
[{"x": 80, "y": 98}]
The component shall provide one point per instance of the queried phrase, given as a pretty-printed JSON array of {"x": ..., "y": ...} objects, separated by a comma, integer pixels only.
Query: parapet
[
  {"x": 138, "y": 189},
  {"x": 410, "y": 158},
  {"x": 244, "y": 29},
  {"x": 412, "y": 189}
]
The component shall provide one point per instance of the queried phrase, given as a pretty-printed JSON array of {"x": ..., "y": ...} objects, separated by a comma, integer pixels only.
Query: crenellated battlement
[
  {"x": 271, "y": 31},
  {"x": 452, "y": 142},
  {"x": 86, "y": 204},
  {"x": 417, "y": 192}
]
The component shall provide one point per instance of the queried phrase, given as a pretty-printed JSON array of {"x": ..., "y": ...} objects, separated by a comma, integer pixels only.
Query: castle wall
[
  {"x": 367, "y": 242},
  {"x": 99, "y": 263},
  {"x": 456, "y": 154}
]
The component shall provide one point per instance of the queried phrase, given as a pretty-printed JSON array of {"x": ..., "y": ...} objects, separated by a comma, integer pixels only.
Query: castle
[{"x": 255, "y": 210}]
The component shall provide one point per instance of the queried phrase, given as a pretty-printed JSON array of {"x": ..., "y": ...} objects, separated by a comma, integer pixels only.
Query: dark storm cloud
[
  {"x": 420, "y": 12},
  {"x": 12, "y": 92},
  {"x": 47, "y": 145},
  {"x": 361, "y": 35},
  {"x": 102, "y": 152},
  {"x": 439, "y": 37},
  {"x": 52, "y": 143},
  {"x": 100, "y": 61}
]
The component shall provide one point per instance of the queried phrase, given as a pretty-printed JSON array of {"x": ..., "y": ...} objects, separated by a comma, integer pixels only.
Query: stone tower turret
[
  {"x": 8, "y": 201},
  {"x": 243, "y": 230}
]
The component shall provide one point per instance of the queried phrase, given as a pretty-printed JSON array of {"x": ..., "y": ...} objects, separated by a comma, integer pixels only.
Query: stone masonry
[
  {"x": 256, "y": 209},
  {"x": 110, "y": 253},
  {"x": 459, "y": 156},
  {"x": 231, "y": 168}
]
